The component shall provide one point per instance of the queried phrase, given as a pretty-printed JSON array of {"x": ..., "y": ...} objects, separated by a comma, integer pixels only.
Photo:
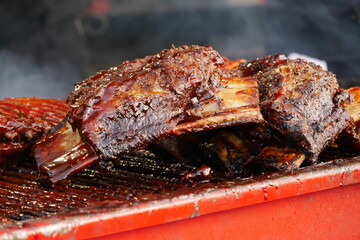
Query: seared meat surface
[
  {"x": 190, "y": 89},
  {"x": 188, "y": 105},
  {"x": 180, "y": 90},
  {"x": 23, "y": 121},
  {"x": 142, "y": 101},
  {"x": 300, "y": 101}
]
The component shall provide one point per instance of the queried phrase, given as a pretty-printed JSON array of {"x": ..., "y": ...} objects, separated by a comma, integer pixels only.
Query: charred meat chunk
[
  {"x": 181, "y": 90},
  {"x": 142, "y": 101},
  {"x": 300, "y": 101}
]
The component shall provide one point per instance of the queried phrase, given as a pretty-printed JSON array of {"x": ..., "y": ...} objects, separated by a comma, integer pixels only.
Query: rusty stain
[
  {"x": 342, "y": 179},
  {"x": 236, "y": 195},
  {"x": 266, "y": 195},
  {"x": 299, "y": 180},
  {"x": 196, "y": 212}
]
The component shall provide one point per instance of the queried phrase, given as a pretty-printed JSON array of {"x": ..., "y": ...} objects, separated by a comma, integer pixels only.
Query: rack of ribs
[
  {"x": 180, "y": 90},
  {"x": 296, "y": 107}
]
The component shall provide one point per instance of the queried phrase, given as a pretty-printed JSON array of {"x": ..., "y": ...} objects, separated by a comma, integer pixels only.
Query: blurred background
[{"x": 46, "y": 46}]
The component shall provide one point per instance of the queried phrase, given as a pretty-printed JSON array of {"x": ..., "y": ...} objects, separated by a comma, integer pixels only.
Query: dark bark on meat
[
  {"x": 187, "y": 90},
  {"x": 300, "y": 101},
  {"x": 258, "y": 65},
  {"x": 180, "y": 90},
  {"x": 141, "y": 101}
]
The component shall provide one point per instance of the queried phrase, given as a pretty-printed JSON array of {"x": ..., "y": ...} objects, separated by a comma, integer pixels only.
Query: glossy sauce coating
[
  {"x": 23, "y": 121},
  {"x": 141, "y": 101}
]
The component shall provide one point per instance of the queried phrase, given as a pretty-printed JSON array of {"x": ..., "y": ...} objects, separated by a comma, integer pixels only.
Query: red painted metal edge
[
  {"x": 204, "y": 202},
  {"x": 328, "y": 214}
]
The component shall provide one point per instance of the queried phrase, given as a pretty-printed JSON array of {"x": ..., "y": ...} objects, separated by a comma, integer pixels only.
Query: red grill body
[{"x": 318, "y": 202}]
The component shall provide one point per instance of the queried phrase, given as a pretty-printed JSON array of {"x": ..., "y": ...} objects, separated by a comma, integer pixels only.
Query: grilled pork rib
[
  {"x": 23, "y": 121},
  {"x": 167, "y": 101},
  {"x": 303, "y": 108},
  {"x": 142, "y": 101},
  {"x": 190, "y": 89},
  {"x": 179, "y": 90}
]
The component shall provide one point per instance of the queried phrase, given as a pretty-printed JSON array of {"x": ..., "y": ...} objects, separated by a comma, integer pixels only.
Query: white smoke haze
[
  {"x": 22, "y": 76},
  {"x": 47, "y": 47}
]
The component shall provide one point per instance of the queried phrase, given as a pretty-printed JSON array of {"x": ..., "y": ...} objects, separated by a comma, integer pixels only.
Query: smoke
[
  {"x": 22, "y": 76},
  {"x": 43, "y": 53},
  {"x": 324, "y": 29},
  {"x": 235, "y": 30}
]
